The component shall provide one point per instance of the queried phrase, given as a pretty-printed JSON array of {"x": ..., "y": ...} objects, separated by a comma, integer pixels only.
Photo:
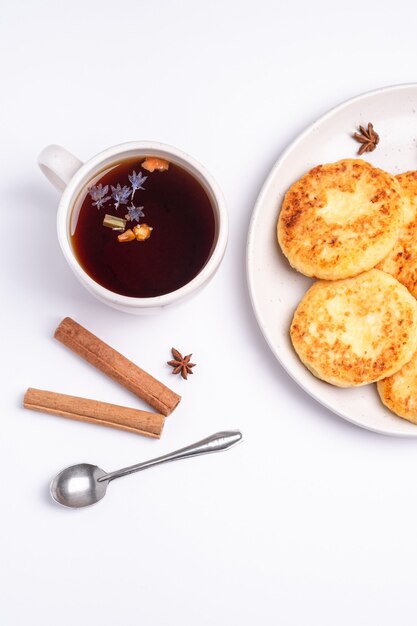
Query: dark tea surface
[{"x": 180, "y": 213}]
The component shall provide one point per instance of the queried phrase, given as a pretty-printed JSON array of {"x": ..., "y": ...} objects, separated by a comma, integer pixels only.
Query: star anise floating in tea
[
  {"x": 136, "y": 181},
  {"x": 99, "y": 195},
  {"x": 134, "y": 213},
  {"x": 181, "y": 364},
  {"x": 120, "y": 194},
  {"x": 368, "y": 138}
]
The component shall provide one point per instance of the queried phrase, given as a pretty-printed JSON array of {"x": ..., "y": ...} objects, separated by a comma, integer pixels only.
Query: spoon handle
[{"x": 215, "y": 443}]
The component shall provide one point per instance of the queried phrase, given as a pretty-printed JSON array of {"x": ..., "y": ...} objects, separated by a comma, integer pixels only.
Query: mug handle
[{"x": 58, "y": 165}]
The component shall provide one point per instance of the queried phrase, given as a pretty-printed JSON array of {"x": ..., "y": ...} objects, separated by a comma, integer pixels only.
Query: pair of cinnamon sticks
[{"x": 120, "y": 369}]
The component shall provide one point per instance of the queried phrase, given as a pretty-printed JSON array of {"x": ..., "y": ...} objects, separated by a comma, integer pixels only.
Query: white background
[{"x": 311, "y": 520}]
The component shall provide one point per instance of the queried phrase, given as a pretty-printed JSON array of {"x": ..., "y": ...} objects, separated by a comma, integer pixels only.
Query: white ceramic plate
[{"x": 275, "y": 288}]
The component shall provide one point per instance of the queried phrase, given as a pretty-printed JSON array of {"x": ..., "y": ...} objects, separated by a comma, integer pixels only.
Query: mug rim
[{"x": 93, "y": 165}]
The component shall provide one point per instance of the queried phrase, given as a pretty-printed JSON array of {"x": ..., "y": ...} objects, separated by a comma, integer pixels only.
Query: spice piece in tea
[
  {"x": 128, "y": 235},
  {"x": 114, "y": 222},
  {"x": 181, "y": 364},
  {"x": 368, "y": 138},
  {"x": 154, "y": 163},
  {"x": 142, "y": 232}
]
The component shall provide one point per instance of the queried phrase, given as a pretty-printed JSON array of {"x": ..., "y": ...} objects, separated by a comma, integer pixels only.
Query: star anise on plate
[
  {"x": 367, "y": 137},
  {"x": 181, "y": 364}
]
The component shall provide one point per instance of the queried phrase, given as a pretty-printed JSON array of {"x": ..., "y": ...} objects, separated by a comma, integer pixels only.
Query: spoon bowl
[{"x": 78, "y": 486}]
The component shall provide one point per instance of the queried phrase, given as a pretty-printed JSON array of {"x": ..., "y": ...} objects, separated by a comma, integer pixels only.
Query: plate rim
[{"x": 249, "y": 247}]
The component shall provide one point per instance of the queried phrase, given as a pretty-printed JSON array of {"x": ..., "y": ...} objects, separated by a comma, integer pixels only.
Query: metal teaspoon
[{"x": 84, "y": 484}]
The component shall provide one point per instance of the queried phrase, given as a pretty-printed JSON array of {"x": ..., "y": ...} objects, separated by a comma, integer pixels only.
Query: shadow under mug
[{"x": 69, "y": 175}]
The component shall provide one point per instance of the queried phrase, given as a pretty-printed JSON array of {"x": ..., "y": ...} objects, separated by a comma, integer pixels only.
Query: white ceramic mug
[{"x": 70, "y": 175}]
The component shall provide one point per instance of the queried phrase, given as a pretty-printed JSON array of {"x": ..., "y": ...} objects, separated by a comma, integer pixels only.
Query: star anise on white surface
[
  {"x": 368, "y": 138},
  {"x": 181, "y": 364}
]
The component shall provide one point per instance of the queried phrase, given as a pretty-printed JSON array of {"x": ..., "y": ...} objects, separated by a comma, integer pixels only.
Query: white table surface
[{"x": 311, "y": 520}]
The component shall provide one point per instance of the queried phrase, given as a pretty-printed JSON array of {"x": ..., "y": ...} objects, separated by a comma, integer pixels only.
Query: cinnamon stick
[
  {"x": 95, "y": 412},
  {"x": 115, "y": 365}
]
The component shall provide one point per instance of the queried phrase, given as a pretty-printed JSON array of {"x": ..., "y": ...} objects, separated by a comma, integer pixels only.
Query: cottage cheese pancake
[
  {"x": 401, "y": 261},
  {"x": 355, "y": 331},
  {"x": 399, "y": 391},
  {"x": 340, "y": 219}
]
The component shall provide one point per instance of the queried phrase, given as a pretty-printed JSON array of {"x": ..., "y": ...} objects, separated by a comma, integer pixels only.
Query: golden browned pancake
[
  {"x": 340, "y": 219},
  {"x": 399, "y": 391},
  {"x": 401, "y": 262},
  {"x": 355, "y": 331}
]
